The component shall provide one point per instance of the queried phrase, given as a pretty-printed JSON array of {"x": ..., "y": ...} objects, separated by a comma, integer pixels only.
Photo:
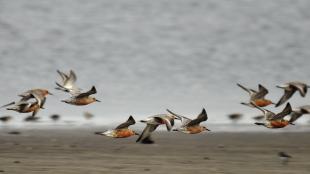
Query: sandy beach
[{"x": 78, "y": 150}]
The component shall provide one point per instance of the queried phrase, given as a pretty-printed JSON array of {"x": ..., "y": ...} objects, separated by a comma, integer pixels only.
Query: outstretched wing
[
  {"x": 301, "y": 87},
  {"x": 88, "y": 93},
  {"x": 295, "y": 116},
  {"x": 286, "y": 111},
  {"x": 287, "y": 95},
  {"x": 63, "y": 76},
  {"x": 184, "y": 120},
  {"x": 9, "y": 104},
  {"x": 201, "y": 117},
  {"x": 262, "y": 92},
  {"x": 147, "y": 132},
  {"x": 305, "y": 109},
  {"x": 129, "y": 122}
]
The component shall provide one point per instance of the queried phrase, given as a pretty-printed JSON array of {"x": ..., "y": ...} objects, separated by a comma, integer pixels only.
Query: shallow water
[{"x": 146, "y": 56}]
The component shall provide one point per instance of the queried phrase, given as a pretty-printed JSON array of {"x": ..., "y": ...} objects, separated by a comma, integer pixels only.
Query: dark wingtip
[
  {"x": 288, "y": 107},
  {"x": 131, "y": 119},
  {"x": 277, "y": 104},
  {"x": 204, "y": 111},
  {"x": 93, "y": 88}
]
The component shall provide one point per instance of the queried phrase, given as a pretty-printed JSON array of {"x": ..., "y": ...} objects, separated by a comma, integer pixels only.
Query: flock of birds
[{"x": 33, "y": 100}]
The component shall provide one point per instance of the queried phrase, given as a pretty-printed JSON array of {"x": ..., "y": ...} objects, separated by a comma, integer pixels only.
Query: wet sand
[{"x": 80, "y": 151}]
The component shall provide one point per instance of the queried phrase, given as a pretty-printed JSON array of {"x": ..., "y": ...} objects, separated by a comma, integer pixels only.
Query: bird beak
[
  {"x": 50, "y": 93},
  {"x": 278, "y": 86},
  {"x": 137, "y": 133},
  {"x": 98, "y": 133},
  {"x": 98, "y": 100},
  {"x": 208, "y": 129}
]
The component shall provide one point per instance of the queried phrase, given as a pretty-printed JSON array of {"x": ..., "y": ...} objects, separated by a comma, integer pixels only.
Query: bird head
[{"x": 205, "y": 128}]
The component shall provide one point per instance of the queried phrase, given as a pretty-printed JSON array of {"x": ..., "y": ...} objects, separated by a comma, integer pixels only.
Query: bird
[
  {"x": 284, "y": 157},
  {"x": 298, "y": 112},
  {"x": 55, "y": 117},
  {"x": 68, "y": 83},
  {"x": 121, "y": 131},
  {"x": 26, "y": 107},
  {"x": 190, "y": 126},
  {"x": 258, "y": 97},
  {"x": 39, "y": 95},
  {"x": 80, "y": 99},
  {"x": 152, "y": 123},
  {"x": 5, "y": 119},
  {"x": 235, "y": 116},
  {"x": 273, "y": 120},
  {"x": 290, "y": 88}
]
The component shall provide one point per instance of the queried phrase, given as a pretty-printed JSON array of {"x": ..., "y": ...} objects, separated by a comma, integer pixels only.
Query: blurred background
[{"x": 145, "y": 56}]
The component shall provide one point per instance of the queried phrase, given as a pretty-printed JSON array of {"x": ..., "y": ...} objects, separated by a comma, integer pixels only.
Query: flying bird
[
  {"x": 121, "y": 131},
  {"x": 38, "y": 94},
  {"x": 190, "y": 126},
  {"x": 257, "y": 97},
  {"x": 152, "y": 123},
  {"x": 289, "y": 90},
  {"x": 81, "y": 99},
  {"x": 275, "y": 120},
  {"x": 25, "y": 107},
  {"x": 68, "y": 83}
]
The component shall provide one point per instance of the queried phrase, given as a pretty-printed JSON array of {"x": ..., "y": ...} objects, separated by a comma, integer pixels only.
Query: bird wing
[
  {"x": 129, "y": 122},
  {"x": 203, "y": 116},
  {"x": 295, "y": 116},
  {"x": 184, "y": 120},
  {"x": 287, "y": 95},
  {"x": 246, "y": 89},
  {"x": 168, "y": 121},
  {"x": 268, "y": 114},
  {"x": 63, "y": 76},
  {"x": 38, "y": 96},
  {"x": 88, "y": 93},
  {"x": 286, "y": 111},
  {"x": 301, "y": 87},
  {"x": 9, "y": 104},
  {"x": 147, "y": 132},
  {"x": 305, "y": 109},
  {"x": 68, "y": 83},
  {"x": 262, "y": 92}
]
